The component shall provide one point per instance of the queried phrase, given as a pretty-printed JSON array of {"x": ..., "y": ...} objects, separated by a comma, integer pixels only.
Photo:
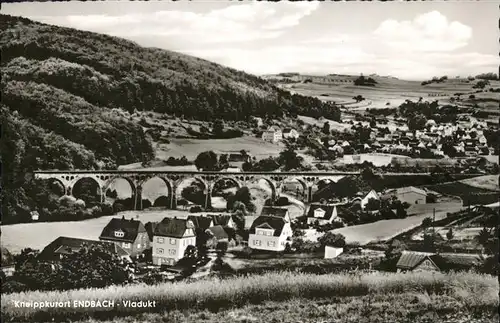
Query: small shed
[{"x": 332, "y": 252}]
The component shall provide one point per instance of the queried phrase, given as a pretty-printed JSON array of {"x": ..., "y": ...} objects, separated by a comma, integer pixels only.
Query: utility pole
[{"x": 433, "y": 227}]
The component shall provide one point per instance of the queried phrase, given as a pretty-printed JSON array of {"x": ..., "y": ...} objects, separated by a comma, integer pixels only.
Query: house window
[
  {"x": 125, "y": 245},
  {"x": 161, "y": 240},
  {"x": 271, "y": 244},
  {"x": 172, "y": 241},
  {"x": 172, "y": 251},
  {"x": 257, "y": 242},
  {"x": 138, "y": 246},
  {"x": 119, "y": 234},
  {"x": 160, "y": 250}
]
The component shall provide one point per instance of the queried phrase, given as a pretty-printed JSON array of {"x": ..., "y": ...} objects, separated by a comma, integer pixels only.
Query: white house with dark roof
[
  {"x": 129, "y": 234},
  {"x": 171, "y": 237},
  {"x": 321, "y": 214},
  {"x": 290, "y": 133},
  {"x": 272, "y": 134},
  {"x": 270, "y": 233},
  {"x": 276, "y": 211}
]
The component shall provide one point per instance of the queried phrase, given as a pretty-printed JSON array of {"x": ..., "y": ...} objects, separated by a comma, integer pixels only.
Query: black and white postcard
[{"x": 250, "y": 161}]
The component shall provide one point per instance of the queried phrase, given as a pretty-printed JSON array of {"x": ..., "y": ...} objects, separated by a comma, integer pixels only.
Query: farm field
[
  {"x": 469, "y": 194},
  {"x": 386, "y": 229},
  {"x": 340, "y": 297},
  {"x": 458, "y": 233},
  {"x": 192, "y": 147},
  {"x": 488, "y": 182},
  {"x": 16, "y": 237},
  {"x": 320, "y": 122},
  {"x": 388, "y": 90}
]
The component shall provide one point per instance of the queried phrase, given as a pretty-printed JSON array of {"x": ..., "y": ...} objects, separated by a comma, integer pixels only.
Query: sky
[{"x": 409, "y": 40}]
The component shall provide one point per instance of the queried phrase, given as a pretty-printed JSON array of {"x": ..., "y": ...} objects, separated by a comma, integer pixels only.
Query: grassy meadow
[
  {"x": 440, "y": 293},
  {"x": 387, "y": 229},
  {"x": 35, "y": 235}
]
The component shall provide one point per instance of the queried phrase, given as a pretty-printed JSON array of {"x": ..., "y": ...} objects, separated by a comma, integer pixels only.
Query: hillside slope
[{"x": 68, "y": 97}]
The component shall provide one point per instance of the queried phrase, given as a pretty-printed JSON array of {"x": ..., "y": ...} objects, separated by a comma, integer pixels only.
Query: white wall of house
[
  {"x": 411, "y": 197},
  {"x": 168, "y": 250},
  {"x": 272, "y": 136},
  {"x": 268, "y": 242},
  {"x": 371, "y": 195},
  {"x": 292, "y": 134},
  {"x": 332, "y": 252}
]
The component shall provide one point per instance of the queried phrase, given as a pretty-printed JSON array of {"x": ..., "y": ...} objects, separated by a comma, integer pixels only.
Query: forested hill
[
  {"x": 110, "y": 72},
  {"x": 70, "y": 82}
]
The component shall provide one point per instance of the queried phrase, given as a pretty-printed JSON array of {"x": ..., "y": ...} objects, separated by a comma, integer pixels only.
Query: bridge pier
[
  {"x": 208, "y": 199},
  {"x": 138, "y": 199},
  {"x": 173, "y": 201},
  {"x": 309, "y": 194}
]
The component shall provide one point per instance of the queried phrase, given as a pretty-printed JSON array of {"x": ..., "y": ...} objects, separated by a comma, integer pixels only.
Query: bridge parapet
[{"x": 174, "y": 179}]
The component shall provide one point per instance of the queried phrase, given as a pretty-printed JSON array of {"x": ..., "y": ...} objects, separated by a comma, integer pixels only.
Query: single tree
[
  {"x": 326, "y": 128},
  {"x": 218, "y": 127},
  {"x": 207, "y": 161}
]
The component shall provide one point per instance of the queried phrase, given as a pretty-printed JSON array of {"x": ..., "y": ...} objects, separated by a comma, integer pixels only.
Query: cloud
[
  {"x": 235, "y": 23},
  {"x": 235, "y": 36},
  {"x": 338, "y": 58},
  {"x": 429, "y": 32}
]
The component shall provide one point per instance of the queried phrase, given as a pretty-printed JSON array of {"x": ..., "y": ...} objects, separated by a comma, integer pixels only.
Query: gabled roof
[
  {"x": 129, "y": 227},
  {"x": 275, "y": 223},
  {"x": 173, "y": 227},
  {"x": 200, "y": 222},
  {"x": 218, "y": 232},
  {"x": 67, "y": 245},
  {"x": 265, "y": 225},
  {"x": 408, "y": 189},
  {"x": 287, "y": 130},
  {"x": 411, "y": 259},
  {"x": 328, "y": 208},
  {"x": 274, "y": 211},
  {"x": 221, "y": 219}
]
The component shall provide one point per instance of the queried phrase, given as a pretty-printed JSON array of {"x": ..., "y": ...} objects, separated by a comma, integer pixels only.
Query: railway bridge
[{"x": 173, "y": 179}]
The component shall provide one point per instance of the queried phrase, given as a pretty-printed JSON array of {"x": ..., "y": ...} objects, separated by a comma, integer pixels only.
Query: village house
[
  {"x": 61, "y": 246},
  {"x": 436, "y": 262},
  {"x": 321, "y": 214},
  {"x": 171, "y": 237},
  {"x": 270, "y": 233},
  {"x": 218, "y": 234},
  {"x": 201, "y": 223},
  {"x": 217, "y": 218},
  {"x": 223, "y": 219},
  {"x": 276, "y": 211},
  {"x": 129, "y": 234},
  {"x": 289, "y": 133},
  {"x": 371, "y": 195},
  {"x": 272, "y": 134},
  {"x": 8, "y": 262},
  {"x": 410, "y": 194},
  {"x": 238, "y": 157},
  {"x": 258, "y": 121},
  {"x": 416, "y": 261}
]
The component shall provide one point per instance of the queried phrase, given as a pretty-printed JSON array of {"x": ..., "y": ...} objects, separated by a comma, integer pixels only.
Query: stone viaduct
[{"x": 172, "y": 179}]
